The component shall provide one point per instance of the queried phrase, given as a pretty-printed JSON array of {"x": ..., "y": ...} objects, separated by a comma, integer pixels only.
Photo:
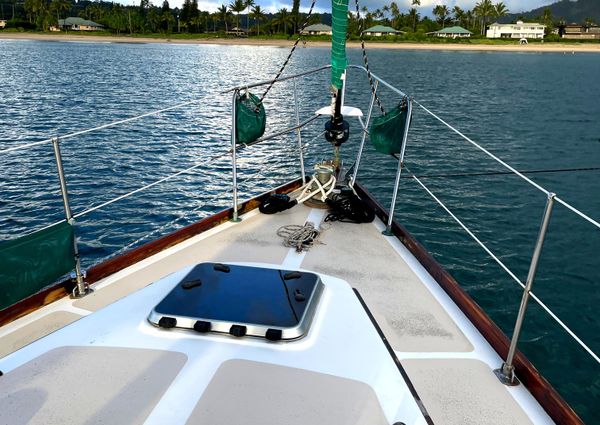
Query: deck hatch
[{"x": 241, "y": 301}]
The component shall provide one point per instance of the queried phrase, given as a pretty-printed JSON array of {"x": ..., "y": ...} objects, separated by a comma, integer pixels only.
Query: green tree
[
  {"x": 395, "y": 12},
  {"x": 414, "y": 14},
  {"x": 385, "y": 10},
  {"x": 224, "y": 14},
  {"x": 214, "y": 17},
  {"x": 153, "y": 19},
  {"x": 144, "y": 6},
  {"x": 483, "y": 10},
  {"x": 59, "y": 6},
  {"x": 249, "y": 4},
  {"x": 194, "y": 10},
  {"x": 165, "y": 7},
  {"x": 295, "y": 14},
  {"x": 441, "y": 12},
  {"x": 237, "y": 7},
  {"x": 258, "y": 16},
  {"x": 459, "y": 15},
  {"x": 185, "y": 14},
  {"x": 500, "y": 10},
  {"x": 547, "y": 20},
  {"x": 283, "y": 18},
  {"x": 168, "y": 20}
]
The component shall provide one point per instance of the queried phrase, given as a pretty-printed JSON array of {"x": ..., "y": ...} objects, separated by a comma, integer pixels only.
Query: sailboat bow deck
[{"x": 439, "y": 342}]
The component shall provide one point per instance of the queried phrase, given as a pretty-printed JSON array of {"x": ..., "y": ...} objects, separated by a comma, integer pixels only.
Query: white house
[
  {"x": 79, "y": 24},
  {"x": 519, "y": 30},
  {"x": 451, "y": 32},
  {"x": 2, "y": 23},
  {"x": 317, "y": 29},
  {"x": 381, "y": 30}
]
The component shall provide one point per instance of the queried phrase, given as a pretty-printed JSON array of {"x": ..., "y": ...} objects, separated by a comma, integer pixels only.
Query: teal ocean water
[{"x": 536, "y": 111}]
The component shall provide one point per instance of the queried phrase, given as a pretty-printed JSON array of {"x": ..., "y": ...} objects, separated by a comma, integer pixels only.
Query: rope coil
[{"x": 300, "y": 237}]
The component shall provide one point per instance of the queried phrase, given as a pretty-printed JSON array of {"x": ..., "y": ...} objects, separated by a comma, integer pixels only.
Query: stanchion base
[
  {"x": 505, "y": 379},
  {"x": 387, "y": 232},
  {"x": 76, "y": 295},
  {"x": 235, "y": 220}
]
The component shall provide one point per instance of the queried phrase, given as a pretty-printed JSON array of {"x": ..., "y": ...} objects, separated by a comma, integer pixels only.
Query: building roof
[
  {"x": 497, "y": 24},
  {"x": 318, "y": 27},
  {"x": 452, "y": 30},
  {"x": 381, "y": 28},
  {"x": 78, "y": 21}
]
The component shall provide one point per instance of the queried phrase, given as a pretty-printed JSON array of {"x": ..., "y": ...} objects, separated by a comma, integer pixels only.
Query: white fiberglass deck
[{"x": 446, "y": 359}]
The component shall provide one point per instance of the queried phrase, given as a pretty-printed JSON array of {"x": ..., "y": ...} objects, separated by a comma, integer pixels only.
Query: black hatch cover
[{"x": 241, "y": 300}]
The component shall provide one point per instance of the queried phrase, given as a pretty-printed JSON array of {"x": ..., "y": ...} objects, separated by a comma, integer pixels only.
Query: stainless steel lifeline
[
  {"x": 82, "y": 288},
  {"x": 506, "y": 373}
]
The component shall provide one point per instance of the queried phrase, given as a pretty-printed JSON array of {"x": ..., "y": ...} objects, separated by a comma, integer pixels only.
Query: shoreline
[{"x": 534, "y": 47}]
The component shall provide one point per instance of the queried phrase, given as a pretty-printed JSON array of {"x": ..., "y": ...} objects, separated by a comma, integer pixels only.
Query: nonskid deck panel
[{"x": 254, "y": 240}]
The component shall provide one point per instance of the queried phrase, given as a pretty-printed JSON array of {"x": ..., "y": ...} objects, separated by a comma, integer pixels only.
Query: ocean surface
[{"x": 535, "y": 111}]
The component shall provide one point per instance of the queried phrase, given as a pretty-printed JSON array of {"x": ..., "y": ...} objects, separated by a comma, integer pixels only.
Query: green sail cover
[
  {"x": 250, "y": 118},
  {"x": 387, "y": 131},
  {"x": 29, "y": 263},
  {"x": 339, "y": 19}
]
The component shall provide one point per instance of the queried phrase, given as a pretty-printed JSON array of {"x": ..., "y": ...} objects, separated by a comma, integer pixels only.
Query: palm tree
[
  {"x": 500, "y": 10},
  {"x": 385, "y": 11},
  {"x": 224, "y": 14},
  {"x": 197, "y": 21},
  {"x": 215, "y": 18},
  {"x": 414, "y": 13},
  {"x": 459, "y": 15},
  {"x": 249, "y": 4},
  {"x": 237, "y": 6},
  {"x": 483, "y": 10},
  {"x": 395, "y": 11},
  {"x": 442, "y": 12},
  {"x": 59, "y": 6},
  {"x": 284, "y": 18},
  {"x": 258, "y": 15}
]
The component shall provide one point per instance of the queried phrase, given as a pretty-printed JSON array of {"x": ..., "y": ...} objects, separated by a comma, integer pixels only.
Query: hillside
[{"x": 569, "y": 10}]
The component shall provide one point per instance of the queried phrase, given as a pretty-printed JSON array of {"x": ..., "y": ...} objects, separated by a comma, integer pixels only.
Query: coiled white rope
[{"x": 299, "y": 237}]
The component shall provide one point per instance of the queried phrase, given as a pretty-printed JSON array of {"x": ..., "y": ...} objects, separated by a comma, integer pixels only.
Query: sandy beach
[{"x": 533, "y": 47}]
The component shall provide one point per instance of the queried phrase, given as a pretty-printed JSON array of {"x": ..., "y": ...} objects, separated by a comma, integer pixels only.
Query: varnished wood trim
[
  {"x": 556, "y": 407},
  {"x": 113, "y": 265}
]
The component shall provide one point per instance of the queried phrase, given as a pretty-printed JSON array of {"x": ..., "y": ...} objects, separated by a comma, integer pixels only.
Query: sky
[{"x": 514, "y": 6}]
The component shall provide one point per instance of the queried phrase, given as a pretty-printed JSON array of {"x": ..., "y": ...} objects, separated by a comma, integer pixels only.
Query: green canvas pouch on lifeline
[{"x": 250, "y": 118}]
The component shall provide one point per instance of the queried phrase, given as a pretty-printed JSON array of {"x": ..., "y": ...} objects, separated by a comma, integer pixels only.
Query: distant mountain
[{"x": 568, "y": 10}]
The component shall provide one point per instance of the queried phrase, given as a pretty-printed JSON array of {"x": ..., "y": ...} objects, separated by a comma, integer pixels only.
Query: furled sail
[{"x": 338, "y": 41}]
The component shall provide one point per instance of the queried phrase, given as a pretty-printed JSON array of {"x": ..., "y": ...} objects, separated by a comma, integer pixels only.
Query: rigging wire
[
  {"x": 365, "y": 58},
  {"x": 502, "y": 173},
  {"x": 289, "y": 55}
]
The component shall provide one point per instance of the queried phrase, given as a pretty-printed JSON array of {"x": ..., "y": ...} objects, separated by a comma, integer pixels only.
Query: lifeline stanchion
[
  {"x": 82, "y": 288},
  {"x": 388, "y": 228},
  {"x": 364, "y": 136},
  {"x": 299, "y": 134},
  {"x": 506, "y": 373},
  {"x": 235, "y": 217}
]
